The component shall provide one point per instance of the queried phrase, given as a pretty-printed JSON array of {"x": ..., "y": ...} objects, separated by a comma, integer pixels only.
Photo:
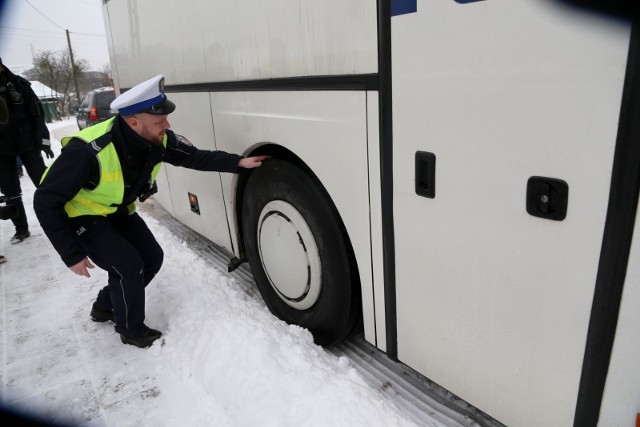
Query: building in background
[{"x": 49, "y": 99}]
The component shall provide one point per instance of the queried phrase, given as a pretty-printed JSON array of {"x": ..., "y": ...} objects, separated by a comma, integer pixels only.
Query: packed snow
[{"x": 224, "y": 360}]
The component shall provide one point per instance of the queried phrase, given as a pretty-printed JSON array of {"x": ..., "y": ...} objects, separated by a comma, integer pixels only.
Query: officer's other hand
[
  {"x": 81, "y": 268},
  {"x": 252, "y": 162},
  {"x": 46, "y": 147}
]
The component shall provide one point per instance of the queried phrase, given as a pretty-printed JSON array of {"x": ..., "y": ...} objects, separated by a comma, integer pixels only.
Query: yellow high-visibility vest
[{"x": 107, "y": 196}]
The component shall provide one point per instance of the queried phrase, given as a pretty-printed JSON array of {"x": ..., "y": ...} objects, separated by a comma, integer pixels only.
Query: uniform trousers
[
  {"x": 122, "y": 245},
  {"x": 10, "y": 181}
]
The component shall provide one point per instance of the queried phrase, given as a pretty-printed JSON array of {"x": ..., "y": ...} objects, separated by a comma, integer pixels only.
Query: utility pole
[{"x": 73, "y": 67}]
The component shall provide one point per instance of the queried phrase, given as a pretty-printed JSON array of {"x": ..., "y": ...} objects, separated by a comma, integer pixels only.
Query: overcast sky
[{"x": 32, "y": 26}]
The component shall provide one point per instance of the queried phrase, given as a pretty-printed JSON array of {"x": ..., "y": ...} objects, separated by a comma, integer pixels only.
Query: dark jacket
[
  {"x": 26, "y": 127},
  {"x": 77, "y": 167}
]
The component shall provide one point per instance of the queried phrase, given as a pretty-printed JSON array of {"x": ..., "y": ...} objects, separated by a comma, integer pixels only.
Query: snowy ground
[{"x": 225, "y": 360}]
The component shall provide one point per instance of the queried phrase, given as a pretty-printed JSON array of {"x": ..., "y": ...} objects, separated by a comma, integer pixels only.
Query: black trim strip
[
  {"x": 344, "y": 82},
  {"x": 616, "y": 246},
  {"x": 386, "y": 174}
]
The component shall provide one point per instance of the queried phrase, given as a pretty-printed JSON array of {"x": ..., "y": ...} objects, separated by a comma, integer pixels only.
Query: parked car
[{"x": 94, "y": 108}]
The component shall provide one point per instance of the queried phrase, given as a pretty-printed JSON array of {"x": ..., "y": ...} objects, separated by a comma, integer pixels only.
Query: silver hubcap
[{"x": 289, "y": 254}]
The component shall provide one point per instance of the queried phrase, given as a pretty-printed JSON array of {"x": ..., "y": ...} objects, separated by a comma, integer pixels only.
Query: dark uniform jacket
[
  {"x": 26, "y": 127},
  {"x": 77, "y": 167}
]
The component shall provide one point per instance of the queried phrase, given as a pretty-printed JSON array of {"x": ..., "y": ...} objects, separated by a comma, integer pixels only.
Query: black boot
[
  {"x": 144, "y": 339},
  {"x": 20, "y": 236},
  {"x": 99, "y": 313}
]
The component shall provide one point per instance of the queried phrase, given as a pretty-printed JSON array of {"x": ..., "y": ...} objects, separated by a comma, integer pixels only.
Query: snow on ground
[{"x": 225, "y": 360}]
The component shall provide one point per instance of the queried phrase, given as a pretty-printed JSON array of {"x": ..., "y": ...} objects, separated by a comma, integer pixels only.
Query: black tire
[{"x": 267, "y": 215}]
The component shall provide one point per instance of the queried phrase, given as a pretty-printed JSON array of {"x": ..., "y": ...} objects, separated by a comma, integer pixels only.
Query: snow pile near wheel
[{"x": 237, "y": 364}]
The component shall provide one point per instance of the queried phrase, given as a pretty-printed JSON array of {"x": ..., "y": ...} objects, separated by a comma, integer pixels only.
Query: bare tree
[
  {"x": 105, "y": 75},
  {"x": 46, "y": 68},
  {"x": 55, "y": 70}
]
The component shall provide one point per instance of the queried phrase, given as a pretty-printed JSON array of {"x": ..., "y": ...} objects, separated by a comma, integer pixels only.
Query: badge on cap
[{"x": 146, "y": 97}]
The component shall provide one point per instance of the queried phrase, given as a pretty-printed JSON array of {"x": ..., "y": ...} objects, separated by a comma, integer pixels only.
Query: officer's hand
[
  {"x": 81, "y": 268},
  {"x": 46, "y": 147},
  {"x": 252, "y": 162}
]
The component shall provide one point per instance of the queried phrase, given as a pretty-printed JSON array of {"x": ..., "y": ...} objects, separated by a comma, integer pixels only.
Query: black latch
[
  {"x": 425, "y": 181},
  {"x": 547, "y": 198}
]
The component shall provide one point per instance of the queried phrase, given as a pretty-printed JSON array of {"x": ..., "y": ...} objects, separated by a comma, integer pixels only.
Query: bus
[{"x": 458, "y": 179}]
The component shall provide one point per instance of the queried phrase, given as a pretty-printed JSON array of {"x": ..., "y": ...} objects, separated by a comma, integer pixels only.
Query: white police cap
[{"x": 146, "y": 97}]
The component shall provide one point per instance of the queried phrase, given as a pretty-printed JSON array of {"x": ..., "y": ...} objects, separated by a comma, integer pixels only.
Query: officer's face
[{"x": 149, "y": 126}]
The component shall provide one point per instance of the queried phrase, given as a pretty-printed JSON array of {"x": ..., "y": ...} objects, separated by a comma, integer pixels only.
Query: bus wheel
[{"x": 299, "y": 255}]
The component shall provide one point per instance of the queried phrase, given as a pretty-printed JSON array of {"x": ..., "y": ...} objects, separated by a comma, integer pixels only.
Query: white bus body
[{"x": 472, "y": 167}]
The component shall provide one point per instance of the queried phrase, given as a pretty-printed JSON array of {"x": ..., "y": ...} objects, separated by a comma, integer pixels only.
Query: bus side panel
[
  {"x": 242, "y": 39},
  {"x": 163, "y": 196},
  {"x": 375, "y": 201},
  {"x": 106, "y": 18},
  {"x": 328, "y": 131},
  {"x": 621, "y": 401},
  {"x": 226, "y": 41},
  {"x": 192, "y": 119},
  {"x": 494, "y": 303}
]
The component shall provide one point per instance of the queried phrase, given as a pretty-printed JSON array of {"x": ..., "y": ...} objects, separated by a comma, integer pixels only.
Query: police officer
[
  {"x": 23, "y": 133},
  {"x": 86, "y": 201}
]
